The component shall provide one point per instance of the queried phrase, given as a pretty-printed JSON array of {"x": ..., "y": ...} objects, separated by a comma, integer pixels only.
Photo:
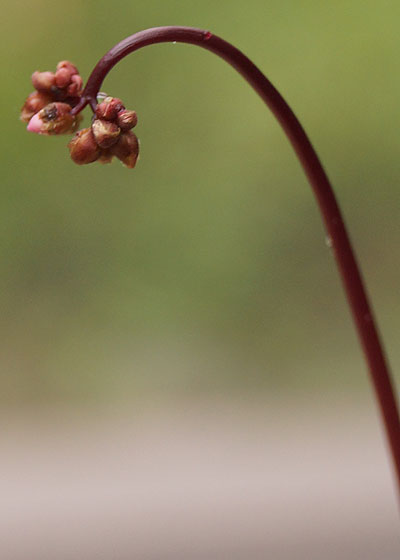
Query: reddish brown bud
[
  {"x": 127, "y": 149},
  {"x": 75, "y": 87},
  {"x": 127, "y": 119},
  {"x": 63, "y": 77},
  {"x": 106, "y": 156},
  {"x": 55, "y": 118},
  {"x": 83, "y": 148},
  {"x": 33, "y": 104},
  {"x": 109, "y": 108},
  {"x": 43, "y": 81},
  {"x": 68, "y": 66},
  {"x": 105, "y": 133}
]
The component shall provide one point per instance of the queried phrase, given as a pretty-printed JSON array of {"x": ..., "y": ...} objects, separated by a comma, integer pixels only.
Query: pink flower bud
[
  {"x": 54, "y": 118},
  {"x": 43, "y": 81},
  {"x": 127, "y": 149},
  {"x": 33, "y": 104},
  {"x": 105, "y": 133},
  {"x": 75, "y": 87},
  {"x": 127, "y": 119},
  {"x": 83, "y": 148},
  {"x": 35, "y": 124},
  {"x": 63, "y": 77},
  {"x": 68, "y": 66},
  {"x": 109, "y": 108}
]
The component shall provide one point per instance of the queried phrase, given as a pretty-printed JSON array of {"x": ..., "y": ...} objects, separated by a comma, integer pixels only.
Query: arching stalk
[{"x": 348, "y": 268}]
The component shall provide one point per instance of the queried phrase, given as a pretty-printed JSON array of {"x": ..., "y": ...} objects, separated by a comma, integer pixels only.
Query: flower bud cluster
[
  {"x": 110, "y": 135},
  {"x": 47, "y": 109}
]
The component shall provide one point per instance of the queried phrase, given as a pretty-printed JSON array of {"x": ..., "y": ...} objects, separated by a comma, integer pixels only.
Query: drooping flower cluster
[
  {"x": 110, "y": 135},
  {"x": 48, "y": 111}
]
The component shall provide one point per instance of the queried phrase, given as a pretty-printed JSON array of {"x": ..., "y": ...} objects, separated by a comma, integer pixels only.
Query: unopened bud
[
  {"x": 54, "y": 118},
  {"x": 105, "y": 133},
  {"x": 63, "y": 77},
  {"x": 109, "y": 108},
  {"x": 33, "y": 104},
  {"x": 83, "y": 148},
  {"x": 68, "y": 65},
  {"x": 43, "y": 81},
  {"x": 127, "y": 119},
  {"x": 127, "y": 149},
  {"x": 75, "y": 87}
]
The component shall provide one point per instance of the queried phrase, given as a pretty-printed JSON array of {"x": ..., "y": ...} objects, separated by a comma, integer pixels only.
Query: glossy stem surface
[{"x": 348, "y": 268}]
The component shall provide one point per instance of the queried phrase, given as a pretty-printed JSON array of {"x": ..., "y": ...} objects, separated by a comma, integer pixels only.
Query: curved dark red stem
[{"x": 318, "y": 179}]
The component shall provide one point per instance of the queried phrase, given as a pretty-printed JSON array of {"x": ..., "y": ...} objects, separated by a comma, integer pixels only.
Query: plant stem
[{"x": 348, "y": 268}]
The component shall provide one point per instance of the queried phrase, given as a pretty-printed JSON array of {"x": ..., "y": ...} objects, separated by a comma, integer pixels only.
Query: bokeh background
[{"x": 179, "y": 374}]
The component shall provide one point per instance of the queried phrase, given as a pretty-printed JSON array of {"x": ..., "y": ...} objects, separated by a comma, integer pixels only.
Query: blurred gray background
[{"x": 194, "y": 299}]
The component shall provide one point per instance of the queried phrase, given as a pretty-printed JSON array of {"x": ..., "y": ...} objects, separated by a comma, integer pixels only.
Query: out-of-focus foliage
[{"x": 205, "y": 268}]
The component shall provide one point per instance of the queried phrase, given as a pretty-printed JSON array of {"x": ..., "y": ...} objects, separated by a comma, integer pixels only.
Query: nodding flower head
[
  {"x": 109, "y": 136},
  {"x": 48, "y": 112},
  {"x": 63, "y": 85}
]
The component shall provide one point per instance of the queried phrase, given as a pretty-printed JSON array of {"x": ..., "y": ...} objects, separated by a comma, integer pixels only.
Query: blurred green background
[{"x": 204, "y": 270}]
